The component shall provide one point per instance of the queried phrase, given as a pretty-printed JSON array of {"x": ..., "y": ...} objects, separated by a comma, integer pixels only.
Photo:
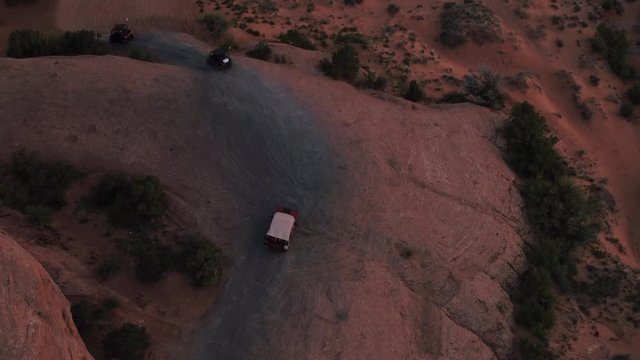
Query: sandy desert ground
[{"x": 373, "y": 175}]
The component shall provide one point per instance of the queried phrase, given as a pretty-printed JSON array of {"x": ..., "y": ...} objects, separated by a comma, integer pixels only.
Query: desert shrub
[
  {"x": 129, "y": 202},
  {"x": 469, "y": 19},
  {"x": 29, "y": 43},
  {"x": 37, "y": 187},
  {"x": 373, "y": 81},
  {"x": 612, "y": 43},
  {"x": 351, "y": 37},
  {"x": 216, "y": 24},
  {"x": 626, "y": 108},
  {"x": 454, "y": 97},
  {"x": 13, "y": 3},
  {"x": 536, "y": 302},
  {"x": 261, "y": 51},
  {"x": 38, "y": 214},
  {"x": 594, "y": 80},
  {"x": 108, "y": 267},
  {"x": 529, "y": 147},
  {"x": 253, "y": 32},
  {"x": 414, "y": 92},
  {"x": 621, "y": 357},
  {"x": 393, "y": 9},
  {"x": 128, "y": 342},
  {"x": 81, "y": 42},
  {"x": 297, "y": 39},
  {"x": 560, "y": 216},
  {"x": 559, "y": 210},
  {"x": 602, "y": 284},
  {"x": 86, "y": 315},
  {"x": 559, "y": 43},
  {"x": 141, "y": 55},
  {"x": 153, "y": 259},
  {"x": 533, "y": 349},
  {"x": 352, "y": 2},
  {"x": 200, "y": 259},
  {"x": 344, "y": 64},
  {"x": 485, "y": 86},
  {"x": 634, "y": 94},
  {"x": 613, "y": 5}
]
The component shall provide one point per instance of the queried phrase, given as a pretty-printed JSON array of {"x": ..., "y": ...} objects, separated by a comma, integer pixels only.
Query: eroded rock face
[{"x": 36, "y": 322}]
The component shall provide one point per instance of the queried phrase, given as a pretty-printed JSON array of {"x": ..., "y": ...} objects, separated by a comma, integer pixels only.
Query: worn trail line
[{"x": 273, "y": 155}]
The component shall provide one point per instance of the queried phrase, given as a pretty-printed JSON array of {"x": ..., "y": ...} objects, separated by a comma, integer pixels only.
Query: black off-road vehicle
[
  {"x": 219, "y": 58},
  {"x": 121, "y": 34}
]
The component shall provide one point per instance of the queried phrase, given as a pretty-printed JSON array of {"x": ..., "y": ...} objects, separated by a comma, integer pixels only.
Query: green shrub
[
  {"x": 626, "y": 108},
  {"x": 38, "y": 214},
  {"x": 613, "y": 4},
  {"x": 454, "y": 98},
  {"x": 634, "y": 94},
  {"x": 153, "y": 259},
  {"x": 201, "y": 260},
  {"x": 414, "y": 92},
  {"x": 485, "y": 86},
  {"x": 529, "y": 148},
  {"x": 612, "y": 43},
  {"x": 141, "y": 55},
  {"x": 108, "y": 267},
  {"x": 297, "y": 39},
  {"x": 39, "y": 186},
  {"x": 216, "y": 24},
  {"x": 261, "y": 51},
  {"x": 344, "y": 64},
  {"x": 373, "y": 81},
  {"x": 128, "y": 342},
  {"x": 13, "y": 3},
  {"x": 87, "y": 315},
  {"x": 533, "y": 349},
  {"x": 130, "y": 202},
  {"x": 81, "y": 42},
  {"x": 469, "y": 19},
  {"x": 559, "y": 210},
  {"x": 29, "y": 43},
  {"x": 393, "y": 9}
]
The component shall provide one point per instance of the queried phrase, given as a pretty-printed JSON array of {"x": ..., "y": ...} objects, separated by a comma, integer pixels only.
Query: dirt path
[{"x": 252, "y": 135}]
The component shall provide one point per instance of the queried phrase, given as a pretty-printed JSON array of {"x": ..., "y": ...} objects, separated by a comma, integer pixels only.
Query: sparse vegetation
[
  {"x": 108, "y": 267},
  {"x": 485, "y": 86},
  {"x": 612, "y": 43},
  {"x": 297, "y": 38},
  {"x": 559, "y": 215},
  {"x": 626, "y": 109},
  {"x": 414, "y": 92},
  {"x": 141, "y": 55},
  {"x": 129, "y": 202},
  {"x": 36, "y": 187},
  {"x": 153, "y": 259},
  {"x": 454, "y": 98},
  {"x": 344, "y": 64},
  {"x": 128, "y": 342},
  {"x": 469, "y": 19},
  {"x": 393, "y": 9},
  {"x": 261, "y": 51},
  {"x": 87, "y": 316},
  {"x": 216, "y": 24},
  {"x": 200, "y": 259},
  {"x": 633, "y": 94},
  {"x": 613, "y": 5},
  {"x": 29, "y": 43}
]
